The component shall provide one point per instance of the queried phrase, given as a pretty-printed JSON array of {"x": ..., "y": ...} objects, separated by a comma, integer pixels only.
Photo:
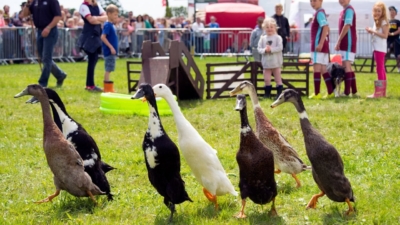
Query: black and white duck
[
  {"x": 161, "y": 155},
  {"x": 327, "y": 165},
  {"x": 199, "y": 155},
  {"x": 64, "y": 161},
  {"x": 256, "y": 165},
  {"x": 82, "y": 141}
]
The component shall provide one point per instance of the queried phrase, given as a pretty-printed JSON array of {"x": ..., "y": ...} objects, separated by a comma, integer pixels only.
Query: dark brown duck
[
  {"x": 327, "y": 165},
  {"x": 256, "y": 165}
]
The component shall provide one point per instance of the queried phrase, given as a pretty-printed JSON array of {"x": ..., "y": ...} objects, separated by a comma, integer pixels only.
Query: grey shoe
[
  {"x": 32, "y": 100},
  {"x": 94, "y": 89},
  {"x": 61, "y": 80}
]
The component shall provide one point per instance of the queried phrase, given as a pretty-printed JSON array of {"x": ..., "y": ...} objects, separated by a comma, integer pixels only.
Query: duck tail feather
[
  {"x": 234, "y": 193},
  {"x": 305, "y": 167}
]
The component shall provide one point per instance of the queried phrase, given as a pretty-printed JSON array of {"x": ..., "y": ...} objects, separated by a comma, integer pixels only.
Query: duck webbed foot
[
  {"x": 91, "y": 196},
  {"x": 241, "y": 214},
  {"x": 351, "y": 209},
  {"x": 297, "y": 180},
  {"x": 277, "y": 171},
  {"x": 273, "y": 212},
  {"x": 212, "y": 198},
  {"x": 172, "y": 208},
  {"x": 313, "y": 202},
  {"x": 48, "y": 199}
]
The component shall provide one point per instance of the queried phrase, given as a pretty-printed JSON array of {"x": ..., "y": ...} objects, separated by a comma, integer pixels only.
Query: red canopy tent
[
  {"x": 254, "y": 2},
  {"x": 234, "y": 14}
]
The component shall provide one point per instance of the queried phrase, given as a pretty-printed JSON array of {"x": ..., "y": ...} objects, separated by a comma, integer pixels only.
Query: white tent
[{"x": 301, "y": 11}]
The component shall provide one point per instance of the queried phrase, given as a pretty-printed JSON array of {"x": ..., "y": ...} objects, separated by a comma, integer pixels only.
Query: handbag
[{"x": 91, "y": 44}]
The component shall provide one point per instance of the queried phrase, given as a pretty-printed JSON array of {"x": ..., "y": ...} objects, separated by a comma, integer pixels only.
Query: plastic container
[{"x": 115, "y": 103}]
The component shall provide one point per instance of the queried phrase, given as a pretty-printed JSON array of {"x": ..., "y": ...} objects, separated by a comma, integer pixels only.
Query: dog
[{"x": 337, "y": 74}]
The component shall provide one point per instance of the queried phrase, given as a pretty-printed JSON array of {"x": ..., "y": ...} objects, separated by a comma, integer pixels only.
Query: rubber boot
[
  {"x": 267, "y": 90},
  {"x": 384, "y": 87},
  {"x": 109, "y": 86},
  {"x": 279, "y": 90},
  {"x": 380, "y": 89}
]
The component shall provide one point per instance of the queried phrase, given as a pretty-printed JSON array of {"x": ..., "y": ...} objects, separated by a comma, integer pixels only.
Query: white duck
[{"x": 199, "y": 155}]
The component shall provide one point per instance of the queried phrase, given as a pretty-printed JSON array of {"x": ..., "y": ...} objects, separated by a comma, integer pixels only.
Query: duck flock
[{"x": 77, "y": 166}]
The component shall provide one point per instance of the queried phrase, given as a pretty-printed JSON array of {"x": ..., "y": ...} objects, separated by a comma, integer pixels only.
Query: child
[
  {"x": 110, "y": 45},
  {"x": 270, "y": 47},
  {"x": 347, "y": 45},
  {"x": 124, "y": 39},
  {"x": 206, "y": 43},
  {"x": 320, "y": 49},
  {"x": 379, "y": 34},
  {"x": 393, "y": 41},
  {"x": 71, "y": 23}
]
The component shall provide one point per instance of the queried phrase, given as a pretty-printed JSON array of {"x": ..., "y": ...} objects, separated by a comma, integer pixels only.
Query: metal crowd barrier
[{"x": 17, "y": 43}]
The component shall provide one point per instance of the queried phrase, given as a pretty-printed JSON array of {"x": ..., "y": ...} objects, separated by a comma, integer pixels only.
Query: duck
[
  {"x": 82, "y": 141},
  {"x": 199, "y": 155},
  {"x": 327, "y": 165},
  {"x": 161, "y": 155},
  {"x": 286, "y": 158},
  {"x": 64, "y": 161},
  {"x": 256, "y": 165}
]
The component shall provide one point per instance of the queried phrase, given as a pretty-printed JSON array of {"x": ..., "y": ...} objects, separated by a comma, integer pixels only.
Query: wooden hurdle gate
[{"x": 219, "y": 87}]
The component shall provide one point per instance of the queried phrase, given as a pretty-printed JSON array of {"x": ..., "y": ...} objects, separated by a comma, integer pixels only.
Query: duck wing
[
  {"x": 86, "y": 147},
  {"x": 88, "y": 150},
  {"x": 328, "y": 166},
  {"x": 287, "y": 149}
]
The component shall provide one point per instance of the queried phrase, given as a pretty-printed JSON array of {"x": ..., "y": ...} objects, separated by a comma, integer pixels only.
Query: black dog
[{"x": 337, "y": 74}]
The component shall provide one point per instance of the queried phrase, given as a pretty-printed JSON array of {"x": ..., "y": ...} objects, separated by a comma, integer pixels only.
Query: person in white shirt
[
  {"x": 198, "y": 35},
  {"x": 379, "y": 34}
]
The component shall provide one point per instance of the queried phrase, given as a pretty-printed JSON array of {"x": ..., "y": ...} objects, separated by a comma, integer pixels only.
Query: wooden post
[{"x": 208, "y": 65}]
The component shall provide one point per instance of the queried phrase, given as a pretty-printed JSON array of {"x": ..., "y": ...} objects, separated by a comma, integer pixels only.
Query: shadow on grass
[
  {"x": 337, "y": 216},
  {"x": 342, "y": 99},
  {"x": 178, "y": 218},
  {"x": 68, "y": 208},
  {"x": 264, "y": 218},
  {"x": 286, "y": 188},
  {"x": 208, "y": 211}
]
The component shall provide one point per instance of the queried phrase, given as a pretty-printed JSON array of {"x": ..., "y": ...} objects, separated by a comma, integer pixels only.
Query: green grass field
[{"x": 365, "y": 132}]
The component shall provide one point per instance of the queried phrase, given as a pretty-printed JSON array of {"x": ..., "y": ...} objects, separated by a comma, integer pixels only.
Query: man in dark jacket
[{"x": 283, "y": 24}]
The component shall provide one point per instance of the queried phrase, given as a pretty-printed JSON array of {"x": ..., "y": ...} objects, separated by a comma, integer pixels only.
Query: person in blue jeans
[
  {"x": 110, "y": 45},
  {"x": 46, "y": 14}
]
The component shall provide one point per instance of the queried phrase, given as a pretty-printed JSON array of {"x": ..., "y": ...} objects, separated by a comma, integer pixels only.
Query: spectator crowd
[{"x": 11, "y": 21}]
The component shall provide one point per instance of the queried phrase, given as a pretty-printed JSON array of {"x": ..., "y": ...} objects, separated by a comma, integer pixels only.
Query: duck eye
[{"x": 160, "y": 86}]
